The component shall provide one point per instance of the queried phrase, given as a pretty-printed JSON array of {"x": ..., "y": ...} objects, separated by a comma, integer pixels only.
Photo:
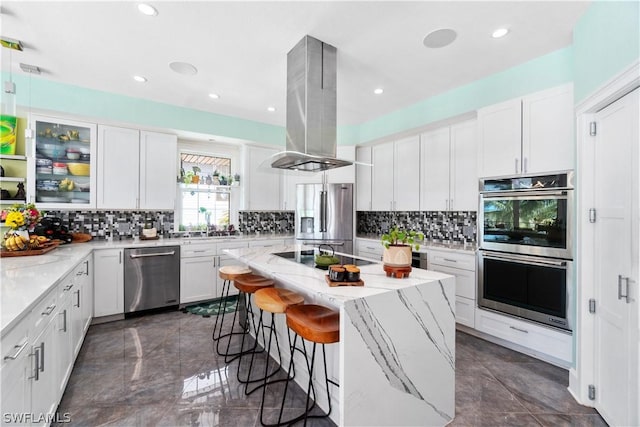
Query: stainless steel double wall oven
[{"x": 526, "y": 252}]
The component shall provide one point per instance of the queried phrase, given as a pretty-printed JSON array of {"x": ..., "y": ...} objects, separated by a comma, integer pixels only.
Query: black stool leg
[
  {"x": 223, "y": 300},
  {"x": 230, "y": 357}
]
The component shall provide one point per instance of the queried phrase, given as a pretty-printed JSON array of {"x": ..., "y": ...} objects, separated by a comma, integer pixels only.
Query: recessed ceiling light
[
  {"x": 214, "y": 96},
  {"x": 439, "y": 38},
  {"x": 183, "y": 68},
  {"x": 271, "y": 109},
  {"x": 500, "y": 32},
  {"x": 378, "y": 91},
  {"x": 147, "y": 9},
  {"x": 139, "y": 79}
]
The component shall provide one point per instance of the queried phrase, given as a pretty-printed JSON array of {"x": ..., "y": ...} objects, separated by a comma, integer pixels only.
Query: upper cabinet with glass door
[{"x": 62, "y": 171}]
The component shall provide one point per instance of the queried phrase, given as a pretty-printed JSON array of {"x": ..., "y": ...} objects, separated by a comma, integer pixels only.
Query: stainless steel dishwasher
[{"x": 151, "y": 278}]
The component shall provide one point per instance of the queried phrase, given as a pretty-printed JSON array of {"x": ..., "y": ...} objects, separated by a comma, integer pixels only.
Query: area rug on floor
[{"x": 210, "y": 308}]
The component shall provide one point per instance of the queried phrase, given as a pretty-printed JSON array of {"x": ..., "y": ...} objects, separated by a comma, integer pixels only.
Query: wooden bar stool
[
  {"x": 247, "y": 284},
  {"x": 228, "y": 273},
  {"x": 318, "y": 325},
  {"x": 271, "y": 300}
]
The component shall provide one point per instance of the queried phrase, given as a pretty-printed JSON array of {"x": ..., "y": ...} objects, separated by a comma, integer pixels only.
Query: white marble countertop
[
  {"x": 26, "y": 280},
  {"x": 429, "y": 244},
  {"x": 311, "y": 281}
]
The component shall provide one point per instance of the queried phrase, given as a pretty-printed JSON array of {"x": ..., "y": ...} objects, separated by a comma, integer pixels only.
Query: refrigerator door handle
[{"x": 323, "y": 211}]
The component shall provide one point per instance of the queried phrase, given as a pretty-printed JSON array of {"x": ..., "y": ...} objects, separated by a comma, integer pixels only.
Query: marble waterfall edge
[{"x": 400, "y": 346}]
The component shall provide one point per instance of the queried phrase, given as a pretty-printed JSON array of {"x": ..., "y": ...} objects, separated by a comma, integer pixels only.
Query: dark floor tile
[
  {"x": 482, "y": 419},
  {"x": 593, "y": 420},
  {"x": 481, "y": 394}
]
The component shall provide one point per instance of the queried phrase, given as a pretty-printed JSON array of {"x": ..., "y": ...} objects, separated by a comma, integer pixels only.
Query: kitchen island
[{"x": 395, "y": 361}]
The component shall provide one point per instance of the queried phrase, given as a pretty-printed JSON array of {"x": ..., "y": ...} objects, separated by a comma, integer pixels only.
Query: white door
[
  {"x": 158, "y": 170},
  {"x": 616, "y": 260},
  {"x": 382, "y": 181},
  {"x": 406, "y": 176},
  {"x": 500, "y": 144},
  {"x": 434, "y": 185},
  {"x": 463, "y": 173},
  {"x": 118, "y": 166},
  {"x": 363, "y": 179}
]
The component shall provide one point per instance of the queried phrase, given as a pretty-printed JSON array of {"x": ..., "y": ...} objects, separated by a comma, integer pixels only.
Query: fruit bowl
[{"x": 79, "y": 169}]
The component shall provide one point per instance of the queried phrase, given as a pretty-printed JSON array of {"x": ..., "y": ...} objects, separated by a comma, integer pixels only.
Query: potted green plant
[
  {"x": 195, "y": 179},
  {"x": 398, "y": 245}
]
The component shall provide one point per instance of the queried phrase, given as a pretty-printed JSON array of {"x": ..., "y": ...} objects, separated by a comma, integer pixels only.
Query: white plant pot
[{"x": 397, "y": 256}]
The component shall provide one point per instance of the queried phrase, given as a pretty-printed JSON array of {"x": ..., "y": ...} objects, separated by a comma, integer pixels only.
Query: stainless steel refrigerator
[{"x": 324, "y": 215}]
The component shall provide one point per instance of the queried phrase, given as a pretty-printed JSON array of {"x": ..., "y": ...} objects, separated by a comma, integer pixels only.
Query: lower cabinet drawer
[
  {"x": 465, "y": 311},
  {"x": 465, "y": 280},
  {"x": 540, "y": 339}
]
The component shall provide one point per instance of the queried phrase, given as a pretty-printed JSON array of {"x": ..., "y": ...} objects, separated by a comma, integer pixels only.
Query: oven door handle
[
  {"x": 520, "y": 196},
  {"x": 526, "y": 260}
]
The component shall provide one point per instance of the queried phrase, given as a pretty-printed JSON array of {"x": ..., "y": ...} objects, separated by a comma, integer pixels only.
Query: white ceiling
[{"x": 240, "y": 47}]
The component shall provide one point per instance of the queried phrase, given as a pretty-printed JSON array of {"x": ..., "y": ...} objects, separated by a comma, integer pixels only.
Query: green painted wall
[
  {"x": 543, "y": 72},
  {"x": 606, "y": 41},
  {"x": 85, "y": 102}
]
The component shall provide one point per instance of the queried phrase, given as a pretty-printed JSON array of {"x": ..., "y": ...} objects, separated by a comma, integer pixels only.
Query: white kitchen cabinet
[
  {"x": 63, "y": 150},
  {"x": 532, "y": 134},
  {"x": 261, "y": 182},
  {"x": 463, "y": 267},
  {"x": 81, "y": 302},
  {"x": 546, "y": 343},
  {"x": 345, "y": 174},
  {"x": 64, "y": 332},
  {"x": 136, "y": 170},
  {"x": 369, "y": 249},
  {"x": 363, "y": 178},
  {"x": 396, "y": 175},
  {"x": 108, "y": 274},
  {"x": 16, "y": 368},
  {"x": 158, "y": 170},
  {"x": 44, "y": 348},
  {"x": 448, "y": 178},
  {"x": 547, "y": 130},
  {"x": 199, "y": 266},
  {"x": 198, "y": 272},
  {"x": 118, "y": 167}
]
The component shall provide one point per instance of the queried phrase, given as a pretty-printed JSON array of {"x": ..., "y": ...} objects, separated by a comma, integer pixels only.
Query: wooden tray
[
  {"x": 43, "y": 249},
  {"x": 334, "y": 284},
  {"x": 80, "y": 237},
  {"x": 156, "y": 237}
]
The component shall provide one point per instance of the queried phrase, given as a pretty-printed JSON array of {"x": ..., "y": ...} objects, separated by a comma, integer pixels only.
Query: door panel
[{"x": 615, "y": 358}]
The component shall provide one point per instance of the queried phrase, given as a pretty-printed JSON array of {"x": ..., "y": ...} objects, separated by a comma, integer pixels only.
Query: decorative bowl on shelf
[
  {"x": 80, "y": 169},
  {"x": 51, "y": 150}
]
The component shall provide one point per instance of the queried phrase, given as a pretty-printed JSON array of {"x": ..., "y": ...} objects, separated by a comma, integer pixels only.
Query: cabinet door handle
[
  {"x": 517, "y": 169},
  {"x": 19, "y": 347},
  {"x": 524, "y": 165},
  {"x": 36, "y": 355},
  {"x": 449, "y": 260},
  {"x": 86, "y": 267},
  {"x": 49, "y": 310},
  {"x": 120, "y": 257},
  {"x": 64, "y": 320},
  {"x": 66, "y": 288},
  {"x": 77, "y": 298},
  {"x": 620, "y": 294},
  {"x": 518, "y": 329},
  {"x": 42, "y": 357},
  {"x": 451, "y": 204}
]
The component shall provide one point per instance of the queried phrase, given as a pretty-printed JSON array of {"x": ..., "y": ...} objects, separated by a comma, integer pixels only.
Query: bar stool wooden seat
[
  {"x": 319, "y": 325},
  {"x": 228, "y": 273},
  {"x": 247, "y": 284},
  {"x": 274, "y": 301}
]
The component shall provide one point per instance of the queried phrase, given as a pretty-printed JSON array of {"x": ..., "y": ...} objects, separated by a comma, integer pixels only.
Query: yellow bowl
[{"x": 80, "y": 169}]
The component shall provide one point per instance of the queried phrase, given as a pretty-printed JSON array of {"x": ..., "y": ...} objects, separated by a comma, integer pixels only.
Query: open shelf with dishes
[
  {"x": 13, "y": 179},
  {"x": 63, "y": 162}
]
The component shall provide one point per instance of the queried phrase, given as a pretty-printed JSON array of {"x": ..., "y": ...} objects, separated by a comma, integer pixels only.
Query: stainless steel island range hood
[{"x": 311, "y": 108}]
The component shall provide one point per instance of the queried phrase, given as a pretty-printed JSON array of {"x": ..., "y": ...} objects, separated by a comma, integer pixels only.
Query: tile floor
[{"x": 161, "y": 370}]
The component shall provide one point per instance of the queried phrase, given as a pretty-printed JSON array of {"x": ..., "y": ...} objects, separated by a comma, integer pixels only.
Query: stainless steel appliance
[
  {"x": 307, "y": 257},
  {"x": 324, "y": 215},
  {"x": 531, "y": 287},
  {"x": 528, "y": 214},
  {"x": 311, "y": 108},
  {"x": 151, "y": 278},
  {"x": 525, "y": 257},
  {"x": 419, "y": 260}
]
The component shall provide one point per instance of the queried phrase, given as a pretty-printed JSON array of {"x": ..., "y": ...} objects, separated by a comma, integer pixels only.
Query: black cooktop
[{"x": 307, "y": 257}]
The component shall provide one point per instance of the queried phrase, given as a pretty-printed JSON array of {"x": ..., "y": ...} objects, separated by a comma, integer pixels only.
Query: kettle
[{"x": 52, "y": 227}]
